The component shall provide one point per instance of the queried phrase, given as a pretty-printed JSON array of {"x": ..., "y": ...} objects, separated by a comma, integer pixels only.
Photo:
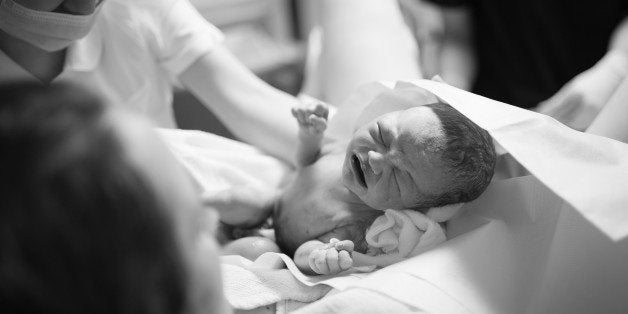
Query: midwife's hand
[
  {"x": 575, "y": 105},
  {"x": 312, "y": 117},
  {"x": 579, "y": 101},
  {"x": 243, "y": 206},
  {"x": 333, "y": 258}
]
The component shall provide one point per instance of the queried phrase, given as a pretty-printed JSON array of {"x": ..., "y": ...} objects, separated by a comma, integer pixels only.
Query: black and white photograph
[{"x": 313, "y": 156}]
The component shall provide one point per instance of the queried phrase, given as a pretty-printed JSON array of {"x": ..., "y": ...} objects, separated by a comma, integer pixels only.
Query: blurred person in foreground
[{"x": 95, "y": 214}]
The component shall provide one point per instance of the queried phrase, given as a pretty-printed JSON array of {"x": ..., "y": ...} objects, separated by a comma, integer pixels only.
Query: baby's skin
[
  {"x": 320, "y": 220},
  {"x": 401, "y": 159},
  {"x": 324, "y": 214}
]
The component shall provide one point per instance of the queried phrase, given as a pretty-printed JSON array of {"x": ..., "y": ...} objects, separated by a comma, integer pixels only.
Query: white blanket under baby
[
  {"x": 550, "y": 239},
  {"x": 553, "y": 241},
  {"x": 400, "y": 234},
  {"x": 217, "y": 163},
  {"x": 393, "y": 237}
]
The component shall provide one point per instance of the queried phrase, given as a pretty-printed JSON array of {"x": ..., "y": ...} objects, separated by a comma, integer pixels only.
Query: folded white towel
[
  {"x": 400, "y": 234},
  {"x": 248, "y": 285}
]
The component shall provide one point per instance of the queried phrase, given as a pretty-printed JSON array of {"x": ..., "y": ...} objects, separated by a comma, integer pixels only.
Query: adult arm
[
  {"x": 253, "y": 111},
  {"x": 578, "y": 102},
  {"x": 191, "y": 51},
  {"x": 611, "y": 122},
  {"x": 457, "y": 61}
]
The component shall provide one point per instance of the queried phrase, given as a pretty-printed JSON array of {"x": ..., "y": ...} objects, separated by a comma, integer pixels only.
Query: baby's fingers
[
  {"x": 345, "y": 245},
  {"x": 344, "y": 260},
  {"x": 333, "y": 259},
  {"x": 317, "y": 124},
  {"x": 299, "y": 114},
  {"x": 319, "y": 262},
  {"x": 321, "y": 110}
]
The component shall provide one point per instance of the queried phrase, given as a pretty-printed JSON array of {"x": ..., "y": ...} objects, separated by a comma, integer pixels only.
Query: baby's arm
[
  {"x": 317, "y": 258},
  {"x": 312, "y": 119}
]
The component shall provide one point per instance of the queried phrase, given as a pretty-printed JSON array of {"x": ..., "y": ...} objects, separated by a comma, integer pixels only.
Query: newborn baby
[{"x": 418, "y": 158}]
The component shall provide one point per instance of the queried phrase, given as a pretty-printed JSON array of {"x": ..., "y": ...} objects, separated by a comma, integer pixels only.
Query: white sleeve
[{"x": 184, "y": 36}]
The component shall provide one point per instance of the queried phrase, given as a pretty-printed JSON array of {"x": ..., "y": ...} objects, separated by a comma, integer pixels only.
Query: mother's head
[{"x": 95, "y": 215}]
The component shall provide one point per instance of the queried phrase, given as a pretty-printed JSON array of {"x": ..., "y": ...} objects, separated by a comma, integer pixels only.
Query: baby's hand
[
  {"x": 312, "y": 117},
  {"x": 332, "y": 258}
]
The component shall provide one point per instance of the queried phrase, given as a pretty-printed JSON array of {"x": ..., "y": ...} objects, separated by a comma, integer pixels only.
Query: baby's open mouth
[{"x": 357, "y": 169}]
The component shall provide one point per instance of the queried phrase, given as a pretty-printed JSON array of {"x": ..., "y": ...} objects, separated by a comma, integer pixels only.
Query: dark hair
[
  {"x": 468, "y": 155},
  {"x": 81, "y": 231}
]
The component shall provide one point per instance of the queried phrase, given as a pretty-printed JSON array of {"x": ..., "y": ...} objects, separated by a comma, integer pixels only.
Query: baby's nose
[{"x": 377, "y": 162}]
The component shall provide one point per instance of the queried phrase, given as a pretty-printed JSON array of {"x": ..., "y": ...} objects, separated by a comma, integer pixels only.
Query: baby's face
[{"x": 390, "y": 162}]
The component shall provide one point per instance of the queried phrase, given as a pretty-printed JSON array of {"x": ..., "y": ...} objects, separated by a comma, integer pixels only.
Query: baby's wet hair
[{"x": 468, "y": 155}]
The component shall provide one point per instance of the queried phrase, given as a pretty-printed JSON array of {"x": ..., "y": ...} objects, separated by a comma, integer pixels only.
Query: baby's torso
[{"x": 318, "y": 206}]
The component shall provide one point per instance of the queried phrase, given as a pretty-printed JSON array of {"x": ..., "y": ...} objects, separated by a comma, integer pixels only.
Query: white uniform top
[{"x": 134, "y": 54}]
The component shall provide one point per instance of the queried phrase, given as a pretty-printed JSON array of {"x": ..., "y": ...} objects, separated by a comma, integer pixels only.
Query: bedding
[{"x": 548, "y": 235}]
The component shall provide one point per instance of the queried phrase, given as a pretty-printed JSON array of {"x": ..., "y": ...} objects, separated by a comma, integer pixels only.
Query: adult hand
[
  {"x": 579, "y": 101},
  {"x": 243, "y": 206}
]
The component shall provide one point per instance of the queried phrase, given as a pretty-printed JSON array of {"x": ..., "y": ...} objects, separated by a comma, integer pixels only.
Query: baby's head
[{"x": 418, "y": 158}]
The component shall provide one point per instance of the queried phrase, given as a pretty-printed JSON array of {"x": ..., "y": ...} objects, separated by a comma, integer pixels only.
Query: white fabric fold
[
  {"x": 548, "y": 239},
  {"x": 589, "y": 172},
  {"x": 248, "y": 285},
  {"x": 217, "y": 163},
  {"x": 401, "y": 234}
]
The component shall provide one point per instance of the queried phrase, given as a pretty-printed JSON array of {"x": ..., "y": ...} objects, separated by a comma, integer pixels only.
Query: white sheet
[
  {"x": 550, "y": 242},
  {"x": 553, "y": 242},
  {"x": 248, "y": 285},
  {"x": 217, "y": 163},
  {"x": 588, "y": 171}
]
